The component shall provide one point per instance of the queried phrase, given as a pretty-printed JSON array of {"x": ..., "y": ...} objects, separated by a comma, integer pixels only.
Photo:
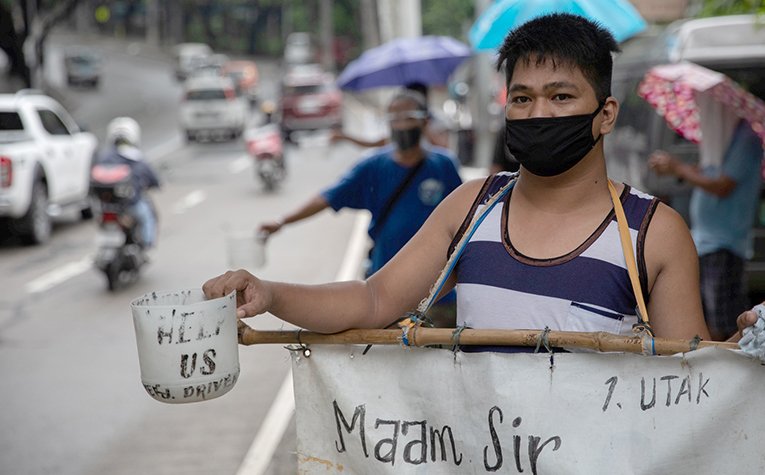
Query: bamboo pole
[{"x": 600, "y": 341}]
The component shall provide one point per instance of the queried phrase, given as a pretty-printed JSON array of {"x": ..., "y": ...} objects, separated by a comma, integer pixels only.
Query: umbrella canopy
[
  {"x": 490, "y": 29},
  {"x": 427, "y": 60},
  {"x": 702, "y": 105}
]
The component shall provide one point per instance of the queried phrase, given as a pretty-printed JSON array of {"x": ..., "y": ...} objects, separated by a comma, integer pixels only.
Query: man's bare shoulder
[
  {"x": 668, "y": 239},
  {"x": 668, "y": 222},
  {"x": 465, "y": 194},
  {"x": 458, "y": 204}
]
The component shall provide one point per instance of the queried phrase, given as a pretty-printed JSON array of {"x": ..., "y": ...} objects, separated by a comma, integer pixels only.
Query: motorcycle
[
  {"x": 265, "y": 146},
  {"x": 120, "y": 254}
]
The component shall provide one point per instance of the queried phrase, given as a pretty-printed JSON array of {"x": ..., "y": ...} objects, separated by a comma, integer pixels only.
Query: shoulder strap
[
  {"x": 629, "y": 257},
  {"x": 397, "y": 193},
  {"x": 451, "y": 262}
]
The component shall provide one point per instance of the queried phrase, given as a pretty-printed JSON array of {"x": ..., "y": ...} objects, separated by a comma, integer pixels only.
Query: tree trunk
[{"x": 12, "y": 43}]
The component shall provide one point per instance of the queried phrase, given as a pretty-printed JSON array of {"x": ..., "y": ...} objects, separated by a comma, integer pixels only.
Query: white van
[
  {"x": 188, "y": 56},
  {"x": 212, "y": 106},
  {"x": 733, "y": 45}
]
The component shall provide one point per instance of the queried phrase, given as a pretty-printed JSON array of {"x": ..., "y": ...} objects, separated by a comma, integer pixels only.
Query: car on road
[
  {"x": 310, "y": 100},
  {"x": 82, "y": 66},
  {"x": 245, "y": 75},
  {"x": 189, "y": 56},
  {"x": 211, "y": 107},
  {"x": 45, "y": 164}
]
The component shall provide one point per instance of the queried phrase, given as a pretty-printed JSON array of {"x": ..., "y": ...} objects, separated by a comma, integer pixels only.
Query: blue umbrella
[
  {"x": 490, "y": 29},
  {"x": 427, "y": 60}
]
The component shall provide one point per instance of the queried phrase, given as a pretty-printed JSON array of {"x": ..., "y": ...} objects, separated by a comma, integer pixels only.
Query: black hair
[
  {"x": 564, "y": 39},
  {"x": 418, "y": 87},
  {"x": 412, "y": 96}
]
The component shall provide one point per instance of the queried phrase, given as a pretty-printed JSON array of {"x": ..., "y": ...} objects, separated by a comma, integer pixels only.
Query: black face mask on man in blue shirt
[{"x": 406, "y": 139}]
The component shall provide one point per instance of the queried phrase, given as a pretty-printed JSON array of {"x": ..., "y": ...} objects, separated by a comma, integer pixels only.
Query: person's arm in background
[
  {"x": 309, "y": 208},
  {"x": 338, "y": 135},
  {"x": 345, "y": 193},
  {"x": 146, "y": 174},
  {"x": 663, "y": 163},
  {"x": 392, "y": 291}
]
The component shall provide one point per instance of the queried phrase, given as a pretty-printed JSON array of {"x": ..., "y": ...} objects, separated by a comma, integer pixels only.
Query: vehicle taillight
[
  {"x": 6, "y": 172},
  {"x": 108, "y": 217},
  {"x": 229, "y": 94}
]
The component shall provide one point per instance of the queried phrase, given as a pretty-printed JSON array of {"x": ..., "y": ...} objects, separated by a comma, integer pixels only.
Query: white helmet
[{"x": 124, "y": 130}]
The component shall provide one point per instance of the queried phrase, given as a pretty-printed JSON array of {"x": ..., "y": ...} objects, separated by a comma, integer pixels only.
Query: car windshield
[
  {"x": 306, "y": 89},
  {"x": 82, "y": 60},
  {"x": 206, "y": 95},
  {"x": 236, "y": 75},
  {"x": 10, "y": 121}
]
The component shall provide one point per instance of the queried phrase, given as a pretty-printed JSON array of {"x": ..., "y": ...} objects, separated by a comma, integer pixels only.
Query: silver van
[
  {"x": 733, "y": 45},
  {"x": 189, "y": 56}
]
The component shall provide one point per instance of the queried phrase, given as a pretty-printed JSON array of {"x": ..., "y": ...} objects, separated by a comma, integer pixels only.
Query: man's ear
[{"x": 609, "y": 114}]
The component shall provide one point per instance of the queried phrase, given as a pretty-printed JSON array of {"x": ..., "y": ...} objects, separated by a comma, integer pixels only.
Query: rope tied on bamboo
[
  {"x": 694, "y": 344},
  {"x": 543, "y": 339},
  {"x": 302, "y": 347},
  {"x": 410, "y": 324},
  {"x": 456, "y": 334}
]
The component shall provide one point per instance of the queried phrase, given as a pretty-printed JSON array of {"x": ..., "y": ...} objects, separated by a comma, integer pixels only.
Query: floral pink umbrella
[{"x": 697, "y": 102}]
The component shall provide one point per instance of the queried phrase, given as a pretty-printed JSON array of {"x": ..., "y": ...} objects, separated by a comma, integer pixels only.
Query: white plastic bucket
[
  {"x": 245, "y": 249},
  {"x": 187, "y": 345}
]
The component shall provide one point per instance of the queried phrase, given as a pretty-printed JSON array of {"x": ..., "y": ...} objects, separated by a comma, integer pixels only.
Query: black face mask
[
  {"x": 549, "y": 146},
  {"x": 406, "y": 139}
]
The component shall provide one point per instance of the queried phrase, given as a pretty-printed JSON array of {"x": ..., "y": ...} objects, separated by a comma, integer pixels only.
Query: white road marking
[
  {"x": 58, "y": 275},
  {"x": 165, "y": 148},
  {"x": 271, "y": 431},
  {"x": 269, "y": 435},
  {"x": 189, "y": 201},
  {"x": 240, "y": 164}
]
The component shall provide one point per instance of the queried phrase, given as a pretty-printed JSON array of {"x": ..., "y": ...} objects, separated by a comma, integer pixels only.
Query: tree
[
  {"x": 447, "y": 17},
  {"x": 11, "y": 42},
  {"x": 731, "y": 7},
  {"x": 37, "y": 19}
]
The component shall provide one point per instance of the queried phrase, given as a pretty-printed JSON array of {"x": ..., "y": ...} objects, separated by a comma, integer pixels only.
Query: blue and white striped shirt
[{"x": 587, "y": 289}]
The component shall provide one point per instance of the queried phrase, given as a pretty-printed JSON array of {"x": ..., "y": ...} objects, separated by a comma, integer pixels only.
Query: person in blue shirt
[
  {"x": 722, "y": 210},
  {"x": 123, "y": 137},
  {"x": 374, "y": 180}
]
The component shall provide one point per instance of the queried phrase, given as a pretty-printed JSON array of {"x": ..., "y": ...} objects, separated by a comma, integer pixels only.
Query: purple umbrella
[{"x": 427, "y": 60}]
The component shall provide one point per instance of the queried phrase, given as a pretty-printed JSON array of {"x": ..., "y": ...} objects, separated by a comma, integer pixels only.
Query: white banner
[{"x": 398, "y": 410}]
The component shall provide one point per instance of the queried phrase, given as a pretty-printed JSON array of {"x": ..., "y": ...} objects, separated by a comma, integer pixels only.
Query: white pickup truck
[{"x": 45, "y": 164}]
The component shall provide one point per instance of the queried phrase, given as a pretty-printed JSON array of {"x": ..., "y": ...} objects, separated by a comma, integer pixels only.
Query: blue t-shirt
[
  {"x": 370, "y": 184},
  {"x": 143, "y": 175},
  {"x": 725, "y": 223}
]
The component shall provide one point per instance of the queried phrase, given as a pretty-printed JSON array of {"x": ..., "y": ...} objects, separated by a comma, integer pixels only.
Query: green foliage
[
  {"x": 731, "y": 7},
  {"x": 447, "y": 17}
]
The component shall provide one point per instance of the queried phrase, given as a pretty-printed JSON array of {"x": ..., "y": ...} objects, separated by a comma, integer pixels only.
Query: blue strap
[{"x": 458, "y": 252}]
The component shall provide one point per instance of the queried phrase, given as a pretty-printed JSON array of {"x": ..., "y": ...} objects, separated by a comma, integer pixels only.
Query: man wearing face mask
[
  {"x": 557, "y": 245},
  {"x": 400, "y": 183}
]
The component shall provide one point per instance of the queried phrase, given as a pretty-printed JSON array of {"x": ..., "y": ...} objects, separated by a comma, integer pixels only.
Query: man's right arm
[{"x": 308, "y": 209}]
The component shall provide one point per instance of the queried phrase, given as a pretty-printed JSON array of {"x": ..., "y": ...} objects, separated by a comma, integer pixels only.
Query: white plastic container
[
  {"x": 245, "y": 249},
  {"x": 187, "y": 346}
]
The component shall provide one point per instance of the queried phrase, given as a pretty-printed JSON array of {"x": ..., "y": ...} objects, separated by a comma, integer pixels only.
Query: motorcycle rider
[{"x": 123, "y": 138}]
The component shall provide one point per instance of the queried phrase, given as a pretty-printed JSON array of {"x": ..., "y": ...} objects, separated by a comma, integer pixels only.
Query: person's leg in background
[
  {"x": 144, "y": 213},
  {"x": 722, "y": 291}
]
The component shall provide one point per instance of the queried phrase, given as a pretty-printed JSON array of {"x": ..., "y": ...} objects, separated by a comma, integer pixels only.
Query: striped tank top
[{"x": 585, "y": 290}]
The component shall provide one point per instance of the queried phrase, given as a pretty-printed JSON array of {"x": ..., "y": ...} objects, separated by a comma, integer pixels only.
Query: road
[{"x": 72, "y": 402}]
